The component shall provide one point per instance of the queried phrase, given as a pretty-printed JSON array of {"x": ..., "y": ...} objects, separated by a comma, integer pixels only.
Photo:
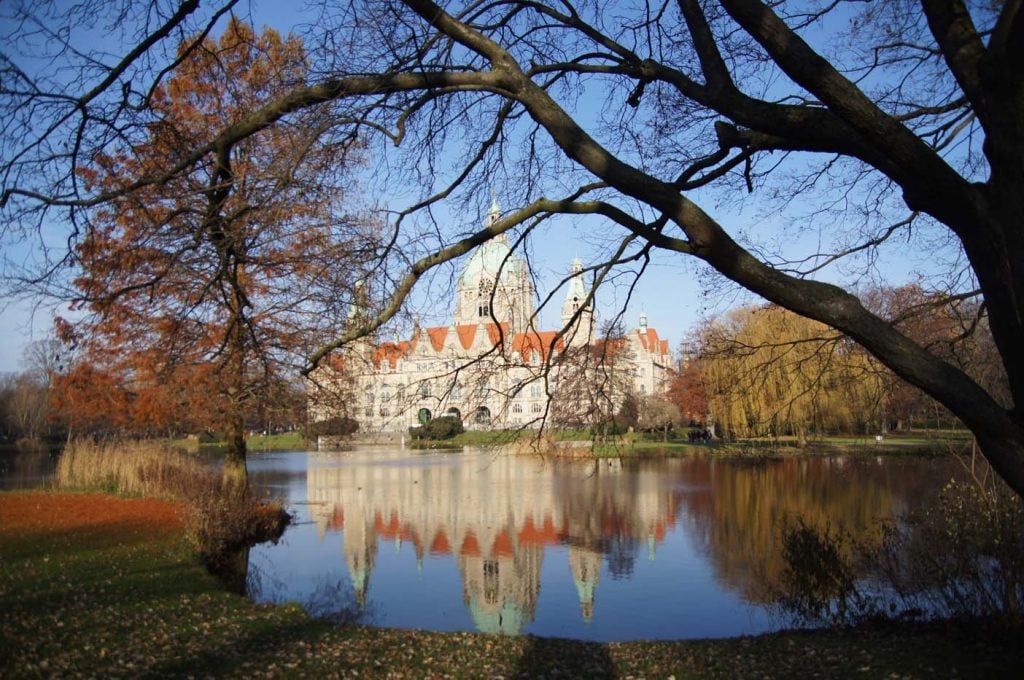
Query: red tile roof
[
  {"x": 437, "y": 336},
  {"x": 527, "y": 344},
  {"x": 467, "y": 333},
  {"x": 536, "y": 341}
]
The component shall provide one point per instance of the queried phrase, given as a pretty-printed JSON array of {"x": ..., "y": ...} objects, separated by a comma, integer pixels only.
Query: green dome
[
  {"x": 509, "y": 620},
  {"x": 487, "y": 260}
]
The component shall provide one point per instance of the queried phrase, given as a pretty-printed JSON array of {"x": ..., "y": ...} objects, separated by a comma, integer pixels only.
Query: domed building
[{"x": 492, "y": 367}]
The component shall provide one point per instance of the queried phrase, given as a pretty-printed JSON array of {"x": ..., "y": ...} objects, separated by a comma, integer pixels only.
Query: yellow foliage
[{"x": 769, "y": 372}]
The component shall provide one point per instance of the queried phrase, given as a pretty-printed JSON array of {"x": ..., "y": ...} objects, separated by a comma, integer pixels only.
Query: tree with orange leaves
[
  {"x": 199, "y": 289},
  {"x": 686, "y": 390}
]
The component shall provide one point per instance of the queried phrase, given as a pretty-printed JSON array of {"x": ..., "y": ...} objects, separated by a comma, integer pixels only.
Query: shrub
[
  {"x": 222, "y": 522},
  {"x": 442, "y": 427},
  {"x": 965, "y": 556},
  {"x": 339, "y": 426}
]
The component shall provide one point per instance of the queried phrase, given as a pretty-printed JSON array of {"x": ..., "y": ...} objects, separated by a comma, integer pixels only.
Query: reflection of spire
[
  {"x": 585, "y": 565},
  {"x": 501, "y": 584},
  {"x": 359, "y": 544},
  {"x": 496, "y": 522}
]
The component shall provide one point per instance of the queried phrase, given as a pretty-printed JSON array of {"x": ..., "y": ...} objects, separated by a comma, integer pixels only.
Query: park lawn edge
[{"x": 112, "y": 598}]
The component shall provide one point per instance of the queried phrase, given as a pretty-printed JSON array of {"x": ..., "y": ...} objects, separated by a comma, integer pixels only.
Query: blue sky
[{"x": 675, "y": 292}]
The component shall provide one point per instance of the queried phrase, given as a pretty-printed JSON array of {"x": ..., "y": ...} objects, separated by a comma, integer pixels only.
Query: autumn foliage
[{"x": 199, "y": 292}]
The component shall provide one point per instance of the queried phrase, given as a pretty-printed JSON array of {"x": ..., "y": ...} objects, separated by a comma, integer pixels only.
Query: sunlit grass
[
  {"x": 138, "y": 468},
  {"x": 285, "y": 441}
]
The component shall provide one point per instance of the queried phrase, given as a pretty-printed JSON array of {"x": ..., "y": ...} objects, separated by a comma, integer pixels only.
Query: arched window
[
  {"x": 517, "y": 408},
  {"x": 482, "y": 416}
]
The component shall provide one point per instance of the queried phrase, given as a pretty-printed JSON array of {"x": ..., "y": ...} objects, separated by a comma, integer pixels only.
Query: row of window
[
  {"x": 384, "y": 411},
  {"x": 424, "y": 390}
]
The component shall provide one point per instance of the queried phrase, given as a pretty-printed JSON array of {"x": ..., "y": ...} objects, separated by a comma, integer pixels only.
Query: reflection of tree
[{"x": 741, "y": 518}]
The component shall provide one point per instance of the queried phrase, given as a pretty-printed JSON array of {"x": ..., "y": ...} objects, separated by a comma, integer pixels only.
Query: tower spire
[
  {"x": 494, "y": 212},
  {"x": 577, "y": 315}
]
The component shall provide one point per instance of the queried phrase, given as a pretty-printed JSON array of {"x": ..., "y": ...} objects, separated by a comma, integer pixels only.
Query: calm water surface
[{"x": 477, "y": 541}]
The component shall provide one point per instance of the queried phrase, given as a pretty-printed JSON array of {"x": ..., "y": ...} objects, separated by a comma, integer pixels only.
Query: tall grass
[{"x": 135, "y": 468}]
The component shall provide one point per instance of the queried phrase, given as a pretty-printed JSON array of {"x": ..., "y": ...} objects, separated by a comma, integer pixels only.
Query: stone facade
[{"x": 491, "y": 366}]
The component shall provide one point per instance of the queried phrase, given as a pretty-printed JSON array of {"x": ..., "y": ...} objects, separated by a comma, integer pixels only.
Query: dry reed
[{"x": 137, "y": 468}]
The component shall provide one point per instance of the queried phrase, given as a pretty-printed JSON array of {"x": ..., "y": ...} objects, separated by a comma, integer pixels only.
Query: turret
[
  {"x": 494, "y": 212},
  {"x": 578, "y": 333},
  {"x": 360, "y": 349}
]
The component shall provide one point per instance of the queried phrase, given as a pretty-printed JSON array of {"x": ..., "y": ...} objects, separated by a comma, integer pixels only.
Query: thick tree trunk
[{"x": 235, "y": 472}]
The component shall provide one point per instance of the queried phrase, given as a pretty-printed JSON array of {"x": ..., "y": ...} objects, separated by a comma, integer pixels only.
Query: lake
[{"x": 595, "y": 550}]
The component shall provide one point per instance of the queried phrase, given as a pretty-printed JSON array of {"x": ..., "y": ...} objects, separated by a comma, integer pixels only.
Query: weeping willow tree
[{"x": 769, "y": 372}]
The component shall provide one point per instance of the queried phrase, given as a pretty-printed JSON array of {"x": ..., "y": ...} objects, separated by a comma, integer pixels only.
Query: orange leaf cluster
[{"x": 199, "y": 289}]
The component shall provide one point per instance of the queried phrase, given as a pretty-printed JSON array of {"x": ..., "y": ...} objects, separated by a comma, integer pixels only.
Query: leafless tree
[{"x": 900, "y": 118}]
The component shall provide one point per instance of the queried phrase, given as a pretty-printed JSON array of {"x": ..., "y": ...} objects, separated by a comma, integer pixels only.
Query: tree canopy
[
  {"x": 200, "y": 290},
  {"x": 899, "y": 118}
]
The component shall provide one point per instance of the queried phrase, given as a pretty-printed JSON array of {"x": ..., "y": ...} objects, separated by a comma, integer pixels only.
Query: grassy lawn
[
  {"x": 916, "y": 443},
  {"x": 93, "y": 585},
  {"x": 500, "y": 438},
  {"x": 923, "y": 443},
  {"x": 286, "y": 441}
]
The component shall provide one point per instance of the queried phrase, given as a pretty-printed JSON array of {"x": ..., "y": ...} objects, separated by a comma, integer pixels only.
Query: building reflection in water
[
  {"x": 495, "y": 518},
  {"x": 493, "y": 526}
]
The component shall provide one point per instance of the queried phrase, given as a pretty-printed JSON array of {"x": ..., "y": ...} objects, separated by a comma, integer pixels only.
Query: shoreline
[{"x": 100, "y": 585}]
